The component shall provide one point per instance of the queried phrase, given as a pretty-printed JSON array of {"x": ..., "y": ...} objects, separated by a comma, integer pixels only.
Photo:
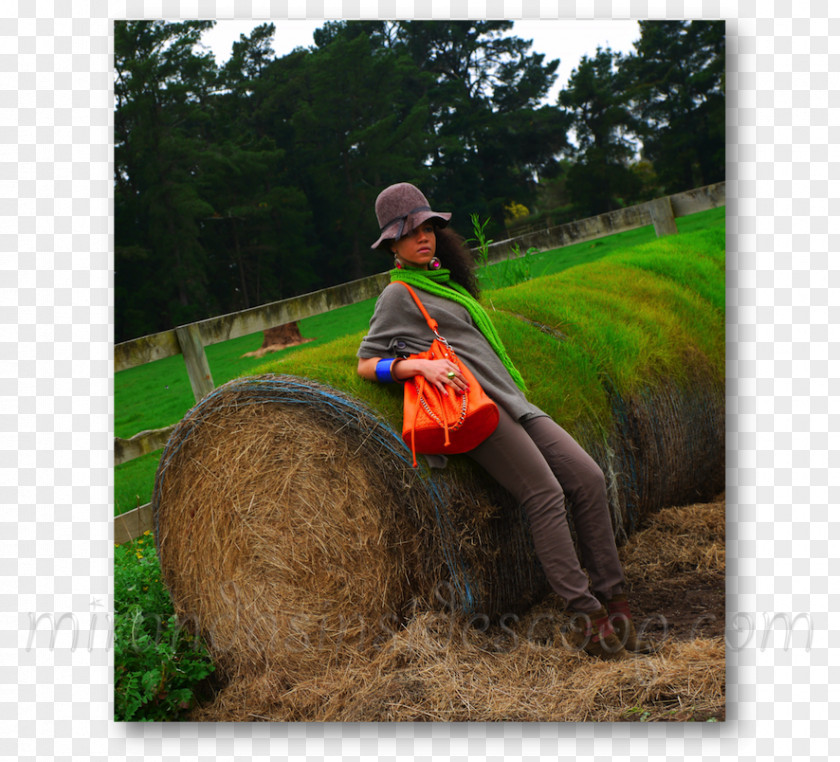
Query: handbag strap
[{"x": 432, "y": 323}]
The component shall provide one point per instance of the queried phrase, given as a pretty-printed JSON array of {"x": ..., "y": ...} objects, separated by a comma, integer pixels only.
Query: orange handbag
[{"x": 438, "y": 425}]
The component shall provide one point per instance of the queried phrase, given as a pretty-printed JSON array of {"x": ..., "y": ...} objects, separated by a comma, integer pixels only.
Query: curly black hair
[{"x": 454, "y": 254}]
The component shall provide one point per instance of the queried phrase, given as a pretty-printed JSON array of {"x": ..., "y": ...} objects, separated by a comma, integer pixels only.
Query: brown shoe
[
  {"x": 594, "y": 634},
  {"x": 618, "y": 611}
]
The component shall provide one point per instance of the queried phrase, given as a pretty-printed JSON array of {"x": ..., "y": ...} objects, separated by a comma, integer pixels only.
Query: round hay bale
[
  {"x": 294, "y": 534},
  {"x": 293, "y": 531},
  {"x": 664, "y": 448}
]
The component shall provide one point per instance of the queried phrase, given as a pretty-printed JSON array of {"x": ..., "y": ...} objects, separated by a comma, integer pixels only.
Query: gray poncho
[{"x": 398, "y": 328}]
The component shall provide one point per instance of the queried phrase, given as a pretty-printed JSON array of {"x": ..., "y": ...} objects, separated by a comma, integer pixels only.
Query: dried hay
[
  {"x": 293, "y": 532},
  {"x": 690, "y": 538},
  {"x": 445, "y": 667},
  {"x": 440, "y": 668},
  {"x": 264, "y": 543},
  {"x": 664, "y": 448},
  {"x": 334, "y": 582}
]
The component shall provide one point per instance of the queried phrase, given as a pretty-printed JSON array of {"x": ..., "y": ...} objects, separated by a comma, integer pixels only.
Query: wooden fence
[{"x": 190, "y": 340}]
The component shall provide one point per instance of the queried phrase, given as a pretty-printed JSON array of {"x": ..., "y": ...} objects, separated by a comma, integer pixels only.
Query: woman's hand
[{"x": 442, "y": 374}]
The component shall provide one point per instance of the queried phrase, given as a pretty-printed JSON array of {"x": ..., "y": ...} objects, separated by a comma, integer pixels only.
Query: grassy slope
[
  {"x": 618, "y": 321},
  {"x": 617, "y": 281}
]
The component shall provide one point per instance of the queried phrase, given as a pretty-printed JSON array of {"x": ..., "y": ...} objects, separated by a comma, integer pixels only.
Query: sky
[{"x": 565, "y": 39}]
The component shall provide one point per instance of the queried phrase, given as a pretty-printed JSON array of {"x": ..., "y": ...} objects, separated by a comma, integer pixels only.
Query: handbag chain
[{"x": 455, "y": 426}]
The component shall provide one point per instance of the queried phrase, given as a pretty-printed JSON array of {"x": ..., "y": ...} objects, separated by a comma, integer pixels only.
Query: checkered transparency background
[{"x": 783, "y": 283}]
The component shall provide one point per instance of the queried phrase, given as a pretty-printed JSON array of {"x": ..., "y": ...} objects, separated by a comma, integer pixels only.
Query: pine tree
[
  {"x": 677, "y": 81},
  {"x": 161, "y": 87},
  {"x": 597, "y": 102}
]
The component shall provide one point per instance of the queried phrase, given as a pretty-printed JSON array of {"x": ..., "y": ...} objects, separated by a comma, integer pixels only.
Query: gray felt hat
[{"x": 402, "y": 207}]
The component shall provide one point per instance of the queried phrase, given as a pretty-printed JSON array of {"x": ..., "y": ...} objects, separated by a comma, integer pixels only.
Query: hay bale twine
[{"x": 293, "y": 531}]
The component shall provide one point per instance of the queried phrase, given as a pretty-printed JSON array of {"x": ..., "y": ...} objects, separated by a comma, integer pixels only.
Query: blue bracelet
[{"x": 383, "y": 371}]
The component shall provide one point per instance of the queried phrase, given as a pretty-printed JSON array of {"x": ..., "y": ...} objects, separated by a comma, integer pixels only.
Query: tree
[
  {"x": 206, "y": 221},
  {"x": 257, "y": 181},
  {"x": 597, "y": 103},
  {"x": 261, "y": 234},
  {"x": 489, "y": 139},
  {"x": 677, "y": 81},
  {"x": 160, "y": 87},
  {"x": 347, "y": 115},
  {"x": 250, "y": 56}
]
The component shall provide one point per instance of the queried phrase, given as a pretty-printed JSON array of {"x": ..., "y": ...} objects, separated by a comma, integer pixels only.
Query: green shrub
[{"x": 157, "y": 663}]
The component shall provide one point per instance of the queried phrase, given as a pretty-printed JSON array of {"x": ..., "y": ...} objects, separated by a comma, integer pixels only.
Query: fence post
[
  {"x": 663, "y": 216},
  {"x": 198, "y": 369}
]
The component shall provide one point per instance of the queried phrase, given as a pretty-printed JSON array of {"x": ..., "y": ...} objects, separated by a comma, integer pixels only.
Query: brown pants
[{"x": 539, "y": 464}]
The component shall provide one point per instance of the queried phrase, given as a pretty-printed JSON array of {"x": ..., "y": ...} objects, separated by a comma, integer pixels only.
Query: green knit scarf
[{"x": 439, "y": 283}]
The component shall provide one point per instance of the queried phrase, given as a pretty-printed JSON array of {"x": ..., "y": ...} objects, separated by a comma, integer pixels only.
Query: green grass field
[{"x": 158, "y": 394}]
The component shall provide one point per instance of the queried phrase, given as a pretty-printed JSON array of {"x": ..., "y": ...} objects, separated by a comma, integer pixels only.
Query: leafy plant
[
  {"x": 515, "y": 269},
  {"x": 515, "y": 211},
  {"x": 637, "y": 712},
  {"x": 157, "y": 663},
  {"x": 480, "y": 239}
]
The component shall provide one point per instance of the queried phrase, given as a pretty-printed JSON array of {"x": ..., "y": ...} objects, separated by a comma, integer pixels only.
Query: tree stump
[{"x": 277, "y": 338}]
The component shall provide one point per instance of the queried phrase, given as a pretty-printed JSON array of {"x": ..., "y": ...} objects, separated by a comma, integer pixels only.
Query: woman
[{"x": 528, "y": 454}]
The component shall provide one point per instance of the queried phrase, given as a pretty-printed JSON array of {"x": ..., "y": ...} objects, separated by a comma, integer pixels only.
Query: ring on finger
[{"x": 451, "y": 374}]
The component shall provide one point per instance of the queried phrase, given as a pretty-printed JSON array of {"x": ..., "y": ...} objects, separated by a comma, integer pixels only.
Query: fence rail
[
  {"x": 660, "y": 212},
  {"x": 156, "y": 346},
  {"x": 191, "y": 339}
]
